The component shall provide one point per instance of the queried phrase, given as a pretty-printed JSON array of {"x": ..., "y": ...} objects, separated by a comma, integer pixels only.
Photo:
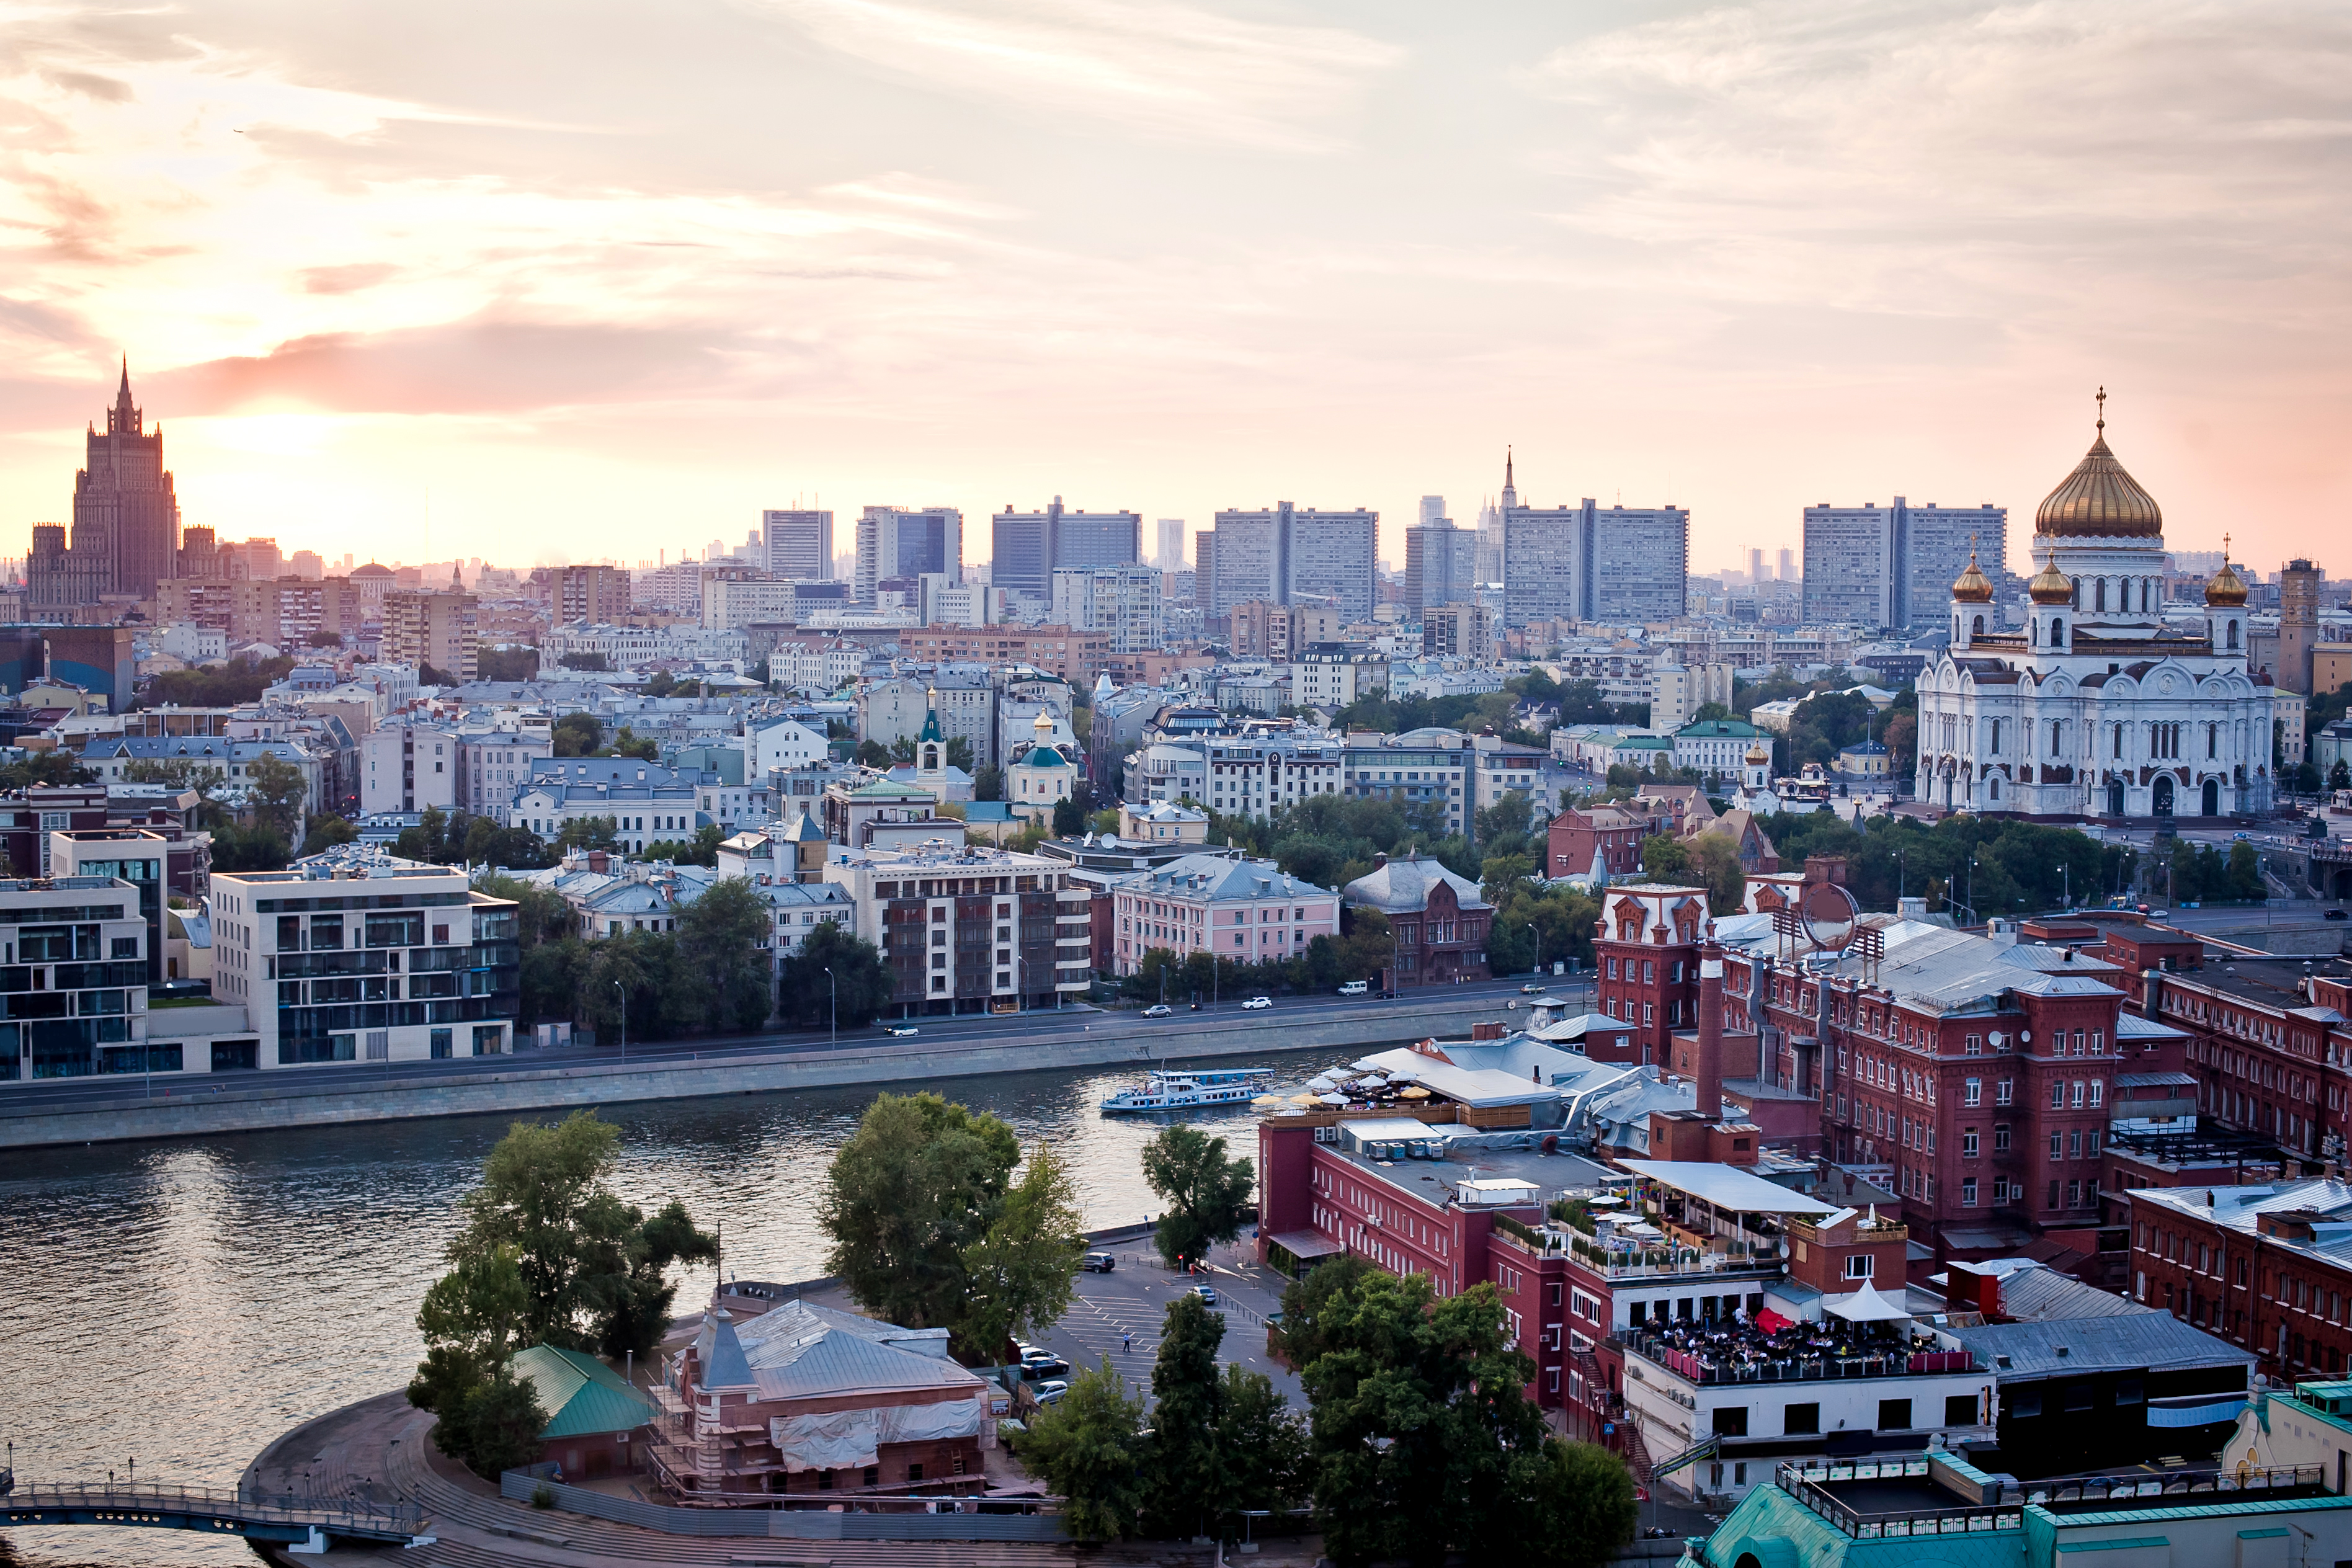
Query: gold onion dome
[
  {"x": 2050, "y": 586},
  {"x": 2099, "y": 499},
  {"x": 1972, "y": 586},
  {"x": 2226, "y": 587}
]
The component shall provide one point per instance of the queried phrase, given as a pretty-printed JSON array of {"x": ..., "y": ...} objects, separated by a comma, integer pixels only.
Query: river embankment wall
[{"x": 517, "y": 1085}]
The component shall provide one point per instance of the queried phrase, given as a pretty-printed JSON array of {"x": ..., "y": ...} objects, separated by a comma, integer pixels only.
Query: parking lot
[{"x": 1133, "y": 1299}]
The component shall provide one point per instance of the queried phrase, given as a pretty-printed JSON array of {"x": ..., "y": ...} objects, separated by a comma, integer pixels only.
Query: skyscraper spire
[
  {"x": 1506, "y": 451},
  {"x": 1510, "y": 490},
  {"x": 123, "y": 397}
]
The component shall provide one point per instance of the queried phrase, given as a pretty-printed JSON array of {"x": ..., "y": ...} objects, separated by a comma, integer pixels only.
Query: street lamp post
[
  {"x": 624, "y": 1021},
  {"x": 832, "y": 996}
]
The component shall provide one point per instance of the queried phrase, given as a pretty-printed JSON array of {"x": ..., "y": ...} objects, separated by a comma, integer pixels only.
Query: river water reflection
[{"x": 183, "y": 1303}]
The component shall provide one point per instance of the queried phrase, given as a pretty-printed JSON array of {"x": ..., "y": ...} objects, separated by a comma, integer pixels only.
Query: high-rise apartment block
[
  {"x": 1588, "y": 562},
  {"x": 439, "y": 629},
  {"x": 1441, "y": 561},
  {"x": 1171, "y": 544},
  {"x": 1278, "y": 632},
  {"x": 1123, "y": 601},
  {"x": 900, "y": 544},
  {"x": 1205, "y": 569},
  {"x": 1029, "y": 547},
  {"x": 599, "y": 595},
  {"x": 1458, "y": 630},
  {"x": 126, "y": 518},
  {"x": 1287, "y": 553},
  {"x": 797, "y": 544},
  {"x": 1894, "y": 565}
]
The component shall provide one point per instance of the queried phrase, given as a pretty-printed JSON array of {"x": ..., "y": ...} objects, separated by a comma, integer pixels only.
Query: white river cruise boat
[{"x": 1173, "y": 1090}]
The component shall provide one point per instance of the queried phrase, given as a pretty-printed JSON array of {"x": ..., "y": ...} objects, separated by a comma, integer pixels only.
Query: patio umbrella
[
  {"x": 1302, "y": 1100},
  {"x": 1334, "y": 1099},
  {"x": 1414, "y": 1093},
  {"x": 1267, "y": 1099},
  {"x": 1321, "y": 1082}
]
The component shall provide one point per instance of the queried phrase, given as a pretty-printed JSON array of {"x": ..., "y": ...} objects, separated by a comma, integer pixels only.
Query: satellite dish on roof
[{"x": 1829, "y": 916}]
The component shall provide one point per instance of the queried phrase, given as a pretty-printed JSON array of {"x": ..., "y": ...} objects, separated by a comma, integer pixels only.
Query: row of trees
[
  {"x": 1999, "y": 866},
  {"x": 1419, "y": 1440},
  {"x": 709, "y": 974},
  {"x": 547, "y": 1255}
]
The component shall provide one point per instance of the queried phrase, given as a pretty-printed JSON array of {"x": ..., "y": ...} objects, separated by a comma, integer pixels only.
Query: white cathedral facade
[{"x": 2098, "y": 709}]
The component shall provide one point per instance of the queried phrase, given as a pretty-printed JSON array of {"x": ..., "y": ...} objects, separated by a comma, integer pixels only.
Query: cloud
[{"x": 1153, "y": 67}]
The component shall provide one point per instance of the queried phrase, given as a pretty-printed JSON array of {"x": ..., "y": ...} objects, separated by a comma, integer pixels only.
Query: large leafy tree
[
  {"x": 1304, "y": 1298},
  {"x": 1192, "y": 1477},
  {"x": 1205, "y": 1188},
  {"x": 279, "y": 791},
  {"x": 1576, "y": 1507},
  {"x": 861, "y": 982},
  {"x": 1019, "y": 1276},
  {"x": 1424, "y": 1440},
  {"x": 720, "y": 959},
  {"x": 1091, "y": 1448},
  {"x": 921, "y": 1180}
]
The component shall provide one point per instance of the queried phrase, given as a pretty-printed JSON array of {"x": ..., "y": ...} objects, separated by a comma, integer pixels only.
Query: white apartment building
[
  {"x": 1244, "y": 910},
  {"x": 1258, "y": 776},
  {"x": 83, "y": 940},
  {"x": 196, "y": 644},
  {"x": 1678, "y": 691},
  {"x": 729, "y": 604},
  {"x": 896, "y": 709},
  {"x": 364, "y": 957},
  {"x": 492, "y": 764},
  {"x": 621, "y": 648},
  {"x": 1874, "y": 565},
  {"x": 818, "y": 665},
  {"x": 1122, "y": 600},
  {"x": 786, "y": 743},
  {"x": 1286, "y": 554},
  {"x": 408, "y": 765},
  {"x": 1332, "y": 676}
]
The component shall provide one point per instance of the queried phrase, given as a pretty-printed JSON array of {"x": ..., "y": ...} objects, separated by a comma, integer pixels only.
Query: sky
[{"x": 543, "y": 282}]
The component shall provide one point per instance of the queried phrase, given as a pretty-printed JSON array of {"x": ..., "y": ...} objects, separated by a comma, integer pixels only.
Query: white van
[{"x": 1354, "y": 988}]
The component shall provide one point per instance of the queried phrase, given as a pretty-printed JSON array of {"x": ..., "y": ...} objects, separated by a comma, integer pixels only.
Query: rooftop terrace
[
  {"x": 1942, "y": 1495},
  {"x": 1708, "y": 1351}
]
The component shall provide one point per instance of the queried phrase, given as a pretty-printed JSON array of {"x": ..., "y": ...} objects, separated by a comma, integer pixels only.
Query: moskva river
[{"x": 183, "y": 1303}]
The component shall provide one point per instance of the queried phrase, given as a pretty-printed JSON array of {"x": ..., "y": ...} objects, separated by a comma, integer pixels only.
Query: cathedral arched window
[
  {"x": 2099, "y": 593},
  {"x": 2233, "y": 634},
  {"x": 2057, "y": 634},
  {"x": 1976, "y": 627}
]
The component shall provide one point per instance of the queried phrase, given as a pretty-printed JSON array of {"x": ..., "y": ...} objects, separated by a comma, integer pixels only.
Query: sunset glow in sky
[{"x": 593, "y": 279}]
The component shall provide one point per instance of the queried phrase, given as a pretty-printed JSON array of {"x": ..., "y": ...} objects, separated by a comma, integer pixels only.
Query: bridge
[{"x": 305, "y": 1523}]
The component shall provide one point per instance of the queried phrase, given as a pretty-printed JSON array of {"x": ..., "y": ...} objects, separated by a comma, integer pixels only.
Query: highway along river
[{"x": 183, "y": 1303}]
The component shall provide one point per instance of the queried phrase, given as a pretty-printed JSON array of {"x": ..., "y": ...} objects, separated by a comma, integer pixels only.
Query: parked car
[
  {"x": 1160, "y": 1010},
  {"x": 1036, "y": 1361},
  {"x": 1208, "y": 1294},
  {"x": 1097, "y": 1263},
  {"x": 899, "y": 1030},
  {"x": 1051, "y": 1391},
  {"x": 1257, "y": 1003},
  {"x": 2331, "y": 914}
]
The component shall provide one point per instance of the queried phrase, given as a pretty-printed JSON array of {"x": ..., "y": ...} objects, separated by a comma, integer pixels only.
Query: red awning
[{"x": 1770, "y": 1322}]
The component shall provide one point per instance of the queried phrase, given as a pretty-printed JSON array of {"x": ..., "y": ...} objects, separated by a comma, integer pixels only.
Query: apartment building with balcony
[{"x": 969, "y": 929}]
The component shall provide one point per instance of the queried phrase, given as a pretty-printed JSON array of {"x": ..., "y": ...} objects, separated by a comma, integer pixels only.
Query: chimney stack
[{"x": 1709, "y": 1075}]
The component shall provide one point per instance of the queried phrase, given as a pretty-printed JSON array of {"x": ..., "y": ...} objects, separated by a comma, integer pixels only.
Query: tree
[
  {"x": 238, "y": 681},
  {"x": 588, "y": 833},
  {"x": 988, "y": 784},
  {"x": 1664, "y": 856},
  {"x": 1419, "y": 1415},
  {"x": 702, "y": 849},
  {"x": 921, "y": 1180},
  {"x": 279, "y": 791},
  {"x": 256, "y": 849},
  {"x": 577, "y": 734},
  {"x": 591, "y": 1267},
  {"x": 1089, "y": 1448},
  {"x": 1303, "y": 1301},
  {"x": 1714, "y": 861},
  {"x": 428, "y": 841},
  {"x": 508, "y": 663},
  {"x": 1204, "y": 1190},
  {"x": 426, "y": 675},
  {"x": 873, "y": 754},
  {"x": 583, "y": 661},
  {"x": 471, "y": 1320},
  {"x": 1263, "y": 1443},
  {"x": 1191, "y": 1480},
  {"x": 860, "y": 986},
  {"x": 720, "y": 959},
  {"x": 1580, "y": 1511},
  {"x": 959, "y": 752},
  {"x": 1069, "y": 818},
  {"x": 323, "y": 639},
  {"x": 326, "y": 832},
  {"x": 628, "y": 743},
  {"x": 1019, "y": 1274}
]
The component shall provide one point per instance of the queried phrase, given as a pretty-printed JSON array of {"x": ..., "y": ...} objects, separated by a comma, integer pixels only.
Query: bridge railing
[{"x": 254, "y": 1507}]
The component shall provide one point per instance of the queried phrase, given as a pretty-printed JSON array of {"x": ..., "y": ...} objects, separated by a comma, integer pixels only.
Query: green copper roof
[{"x": 581, "y": 1395}]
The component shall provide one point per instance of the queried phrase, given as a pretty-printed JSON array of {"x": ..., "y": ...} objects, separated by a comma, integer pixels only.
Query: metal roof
[
  {"x": 1728, "y": 1187},
  {"x": 2114, "y": 1341},
  {"x": 581, "y": 1395}
]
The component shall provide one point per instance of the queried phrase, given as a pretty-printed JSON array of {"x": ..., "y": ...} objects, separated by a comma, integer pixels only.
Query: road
[
  {"x": 1160, "y": 1039},
  {"x": 1118, "y": 1316}
]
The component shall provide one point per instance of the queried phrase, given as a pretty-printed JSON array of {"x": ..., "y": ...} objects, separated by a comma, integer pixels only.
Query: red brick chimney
[{"x": 1708, "y": 1076}]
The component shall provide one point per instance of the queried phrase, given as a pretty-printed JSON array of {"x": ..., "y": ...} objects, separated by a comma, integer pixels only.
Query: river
[{"x": 183, "y": 1303}]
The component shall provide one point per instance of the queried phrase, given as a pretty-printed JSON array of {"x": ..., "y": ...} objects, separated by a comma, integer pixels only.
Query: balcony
[{"x": 1705, "y": 1354}]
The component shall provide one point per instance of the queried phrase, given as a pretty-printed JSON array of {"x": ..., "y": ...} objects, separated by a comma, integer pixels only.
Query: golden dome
[
  {"x": 2226, "y": 587},
  {"x": 2050, "y": 586},
  {"x": 1972, "y": 586},
  {"x": 2098, "y": 500},
  {"x": 1757, "y": 753}
]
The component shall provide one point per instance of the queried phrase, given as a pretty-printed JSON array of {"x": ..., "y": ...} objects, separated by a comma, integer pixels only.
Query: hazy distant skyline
[{"x": 607, "y": 279}]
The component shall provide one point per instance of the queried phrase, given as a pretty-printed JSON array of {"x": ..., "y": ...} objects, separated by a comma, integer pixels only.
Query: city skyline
[{"x": 1661, "y": 260}]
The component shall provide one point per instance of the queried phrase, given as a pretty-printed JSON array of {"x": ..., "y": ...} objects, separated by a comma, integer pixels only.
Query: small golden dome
[
  {"x": 2099, "y": 499},
  {"x": 1757, "y": 753},
  {"x": 1972, "y": 586},
  {"x": 2050, "y": 586},
  {"x": 2226, "y": 587}
]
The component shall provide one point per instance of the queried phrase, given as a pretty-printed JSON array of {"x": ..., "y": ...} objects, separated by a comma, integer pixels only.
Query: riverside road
[{"x": 1149, "y": 1041}]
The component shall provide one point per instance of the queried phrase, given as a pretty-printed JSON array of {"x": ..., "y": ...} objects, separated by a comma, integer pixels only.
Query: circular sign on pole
[{"x": 1830, "y": 916}]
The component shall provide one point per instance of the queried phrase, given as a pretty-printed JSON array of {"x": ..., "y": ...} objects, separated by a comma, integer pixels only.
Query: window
[
  {"x": 1895, "y": 1415},
  {"x": 1857, "y": 1266},
  {"x": 1968, "y": 1143},
  {"x": 2003, "y": 1093},
  {"x": 1731, "y": 1421},
  {"x": 2001, "y": 1139},
  {"x": 2057, "y": 1094},
  {"x": 1800, "y": 1420},
  {"x": 2025, "y": 1404},
  {"x": 1972, "y": 1090},
  {"x": 1968, "y": 1191}
]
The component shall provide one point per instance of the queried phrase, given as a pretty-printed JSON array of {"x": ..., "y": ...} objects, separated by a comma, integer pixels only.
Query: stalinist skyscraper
[{"x": 126, "y": 520}]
